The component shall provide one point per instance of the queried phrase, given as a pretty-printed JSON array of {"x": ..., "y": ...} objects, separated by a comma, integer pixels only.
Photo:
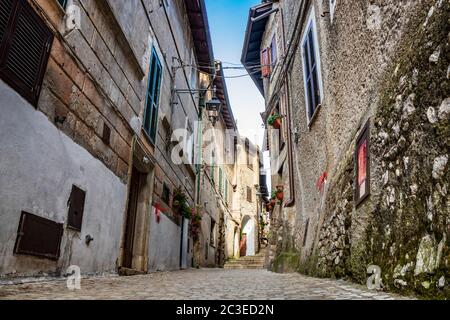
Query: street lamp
[{"x": 213, "y": 108}]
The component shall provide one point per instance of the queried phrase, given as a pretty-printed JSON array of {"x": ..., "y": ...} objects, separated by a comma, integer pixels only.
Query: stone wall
[
  {"x": 405, "y": 221},
  {"x": 386, "y": 62}
]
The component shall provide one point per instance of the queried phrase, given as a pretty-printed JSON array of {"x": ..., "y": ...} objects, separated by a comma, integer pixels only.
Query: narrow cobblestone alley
[{"x": 198, "y": 284}]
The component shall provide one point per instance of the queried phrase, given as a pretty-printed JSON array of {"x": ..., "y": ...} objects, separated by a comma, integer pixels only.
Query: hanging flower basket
[{"x": 275, "y": 121}]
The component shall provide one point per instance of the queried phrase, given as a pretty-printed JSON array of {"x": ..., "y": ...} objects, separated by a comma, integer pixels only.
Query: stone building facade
[
  {"x": 229, "y": 185},
  {"x": 88, "y": 130},
  {"x": 363, "y": 89}
]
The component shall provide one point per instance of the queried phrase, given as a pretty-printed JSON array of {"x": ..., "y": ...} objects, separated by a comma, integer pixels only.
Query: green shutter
[{"x": 154, "y": 86}]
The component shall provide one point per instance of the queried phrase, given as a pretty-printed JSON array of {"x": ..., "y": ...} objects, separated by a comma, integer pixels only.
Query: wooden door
[
  {"x": 131, "y": 218},
  {"x": 243, "y": 246}
]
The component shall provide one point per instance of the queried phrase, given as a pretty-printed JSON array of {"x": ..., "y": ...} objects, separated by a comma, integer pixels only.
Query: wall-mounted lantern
[{"x": 213, "y": 109}]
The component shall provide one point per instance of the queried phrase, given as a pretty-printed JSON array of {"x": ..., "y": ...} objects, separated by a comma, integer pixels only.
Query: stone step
[
  {"x": 247, "y": 261},
  {"x": 238, "y": 266}
]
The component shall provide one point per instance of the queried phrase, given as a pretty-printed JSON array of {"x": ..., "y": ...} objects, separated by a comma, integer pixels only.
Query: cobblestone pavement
[{"x": 200, "y": 284}]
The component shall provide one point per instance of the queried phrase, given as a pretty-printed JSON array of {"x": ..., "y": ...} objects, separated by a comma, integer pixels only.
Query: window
[
  {"x": 249, "y": 194},
  {"x": 273, "y": 51},
  {"x": 154, "y": 85},
  {"x": 38, "y": 237},
  {"x": 265, "y": 62},
  {"x": 311, "y": 68},
  {"x": 165, "y": 197},
  {"x": 76, "y": 208},
  {"x": 188, "y": 140},
  {"x": 212, "y": 235},
  {"x": 106, "y": 135},
  {"x": 21, "y": 27},
  {"x": 362, "y": 159},
  {"x": 63, "y": 3}
]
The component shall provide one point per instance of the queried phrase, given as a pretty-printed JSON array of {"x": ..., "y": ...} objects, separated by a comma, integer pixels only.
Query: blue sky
[{"x": 228, "y": 21}]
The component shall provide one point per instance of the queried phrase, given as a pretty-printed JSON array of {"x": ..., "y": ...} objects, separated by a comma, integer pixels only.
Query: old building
[
  {"x": 357, "y": 100},
  {"x": 90, "y": 112},
  {"x": 229, "y": 186}
]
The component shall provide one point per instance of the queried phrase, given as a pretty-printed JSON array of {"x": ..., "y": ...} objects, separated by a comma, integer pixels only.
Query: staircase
[{"x": 248, "y": 262}]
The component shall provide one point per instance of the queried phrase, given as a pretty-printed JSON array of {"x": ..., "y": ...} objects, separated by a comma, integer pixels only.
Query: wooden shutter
[
  {"x": 7, "y": 8},
  {"x": 265, "y": 62},
  {"x": 154, "y": 86},
  {"x": 38, "y": 236},
  {"x": 25, "y": 48},
  {"x": 76, "y": 208},
  {"x": 249, "y": 194}
]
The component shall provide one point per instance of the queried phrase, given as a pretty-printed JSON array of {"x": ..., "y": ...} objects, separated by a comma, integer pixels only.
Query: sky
[{"x": 228, "y": 22}]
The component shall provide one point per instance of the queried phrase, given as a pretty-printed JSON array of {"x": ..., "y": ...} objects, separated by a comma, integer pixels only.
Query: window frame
[
  {"x": 152, "y": 130},
  {"x": 364, "y": 135},
  {"x": 62, "y": 5},
  {"x": 311, "y": 25},
  {"x": 266, "y": 69},
  {"x": 166, "y": 192}
]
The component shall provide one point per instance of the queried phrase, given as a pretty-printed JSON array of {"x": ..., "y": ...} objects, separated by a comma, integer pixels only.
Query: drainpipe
[{"x": 291, "y": 201}]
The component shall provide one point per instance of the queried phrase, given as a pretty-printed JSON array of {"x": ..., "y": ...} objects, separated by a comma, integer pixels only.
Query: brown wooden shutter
[
  {"x": 6, "y": 9},
  {"x": 25, "y": 48},
  {"x": 76, "y": 208},
  {"x": 265, "y": 62},
  {"x": 38, "y": 236}
]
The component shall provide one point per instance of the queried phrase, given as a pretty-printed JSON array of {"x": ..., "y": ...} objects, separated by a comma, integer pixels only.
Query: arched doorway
[{"x": 247, "y": 244}]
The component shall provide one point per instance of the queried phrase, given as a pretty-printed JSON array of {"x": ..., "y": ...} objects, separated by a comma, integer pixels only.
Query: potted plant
[
  {"x": 273, "y": 199},
  {"x": 275, "y": 121},
  {"x": 280, "y": 193}
]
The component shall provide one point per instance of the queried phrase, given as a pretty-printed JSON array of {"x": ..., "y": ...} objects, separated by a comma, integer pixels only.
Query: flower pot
[
  {"x": 277, "y": 124},
  {"x": 280, "y": 195},
  {"x": 273, "y": 202}
]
